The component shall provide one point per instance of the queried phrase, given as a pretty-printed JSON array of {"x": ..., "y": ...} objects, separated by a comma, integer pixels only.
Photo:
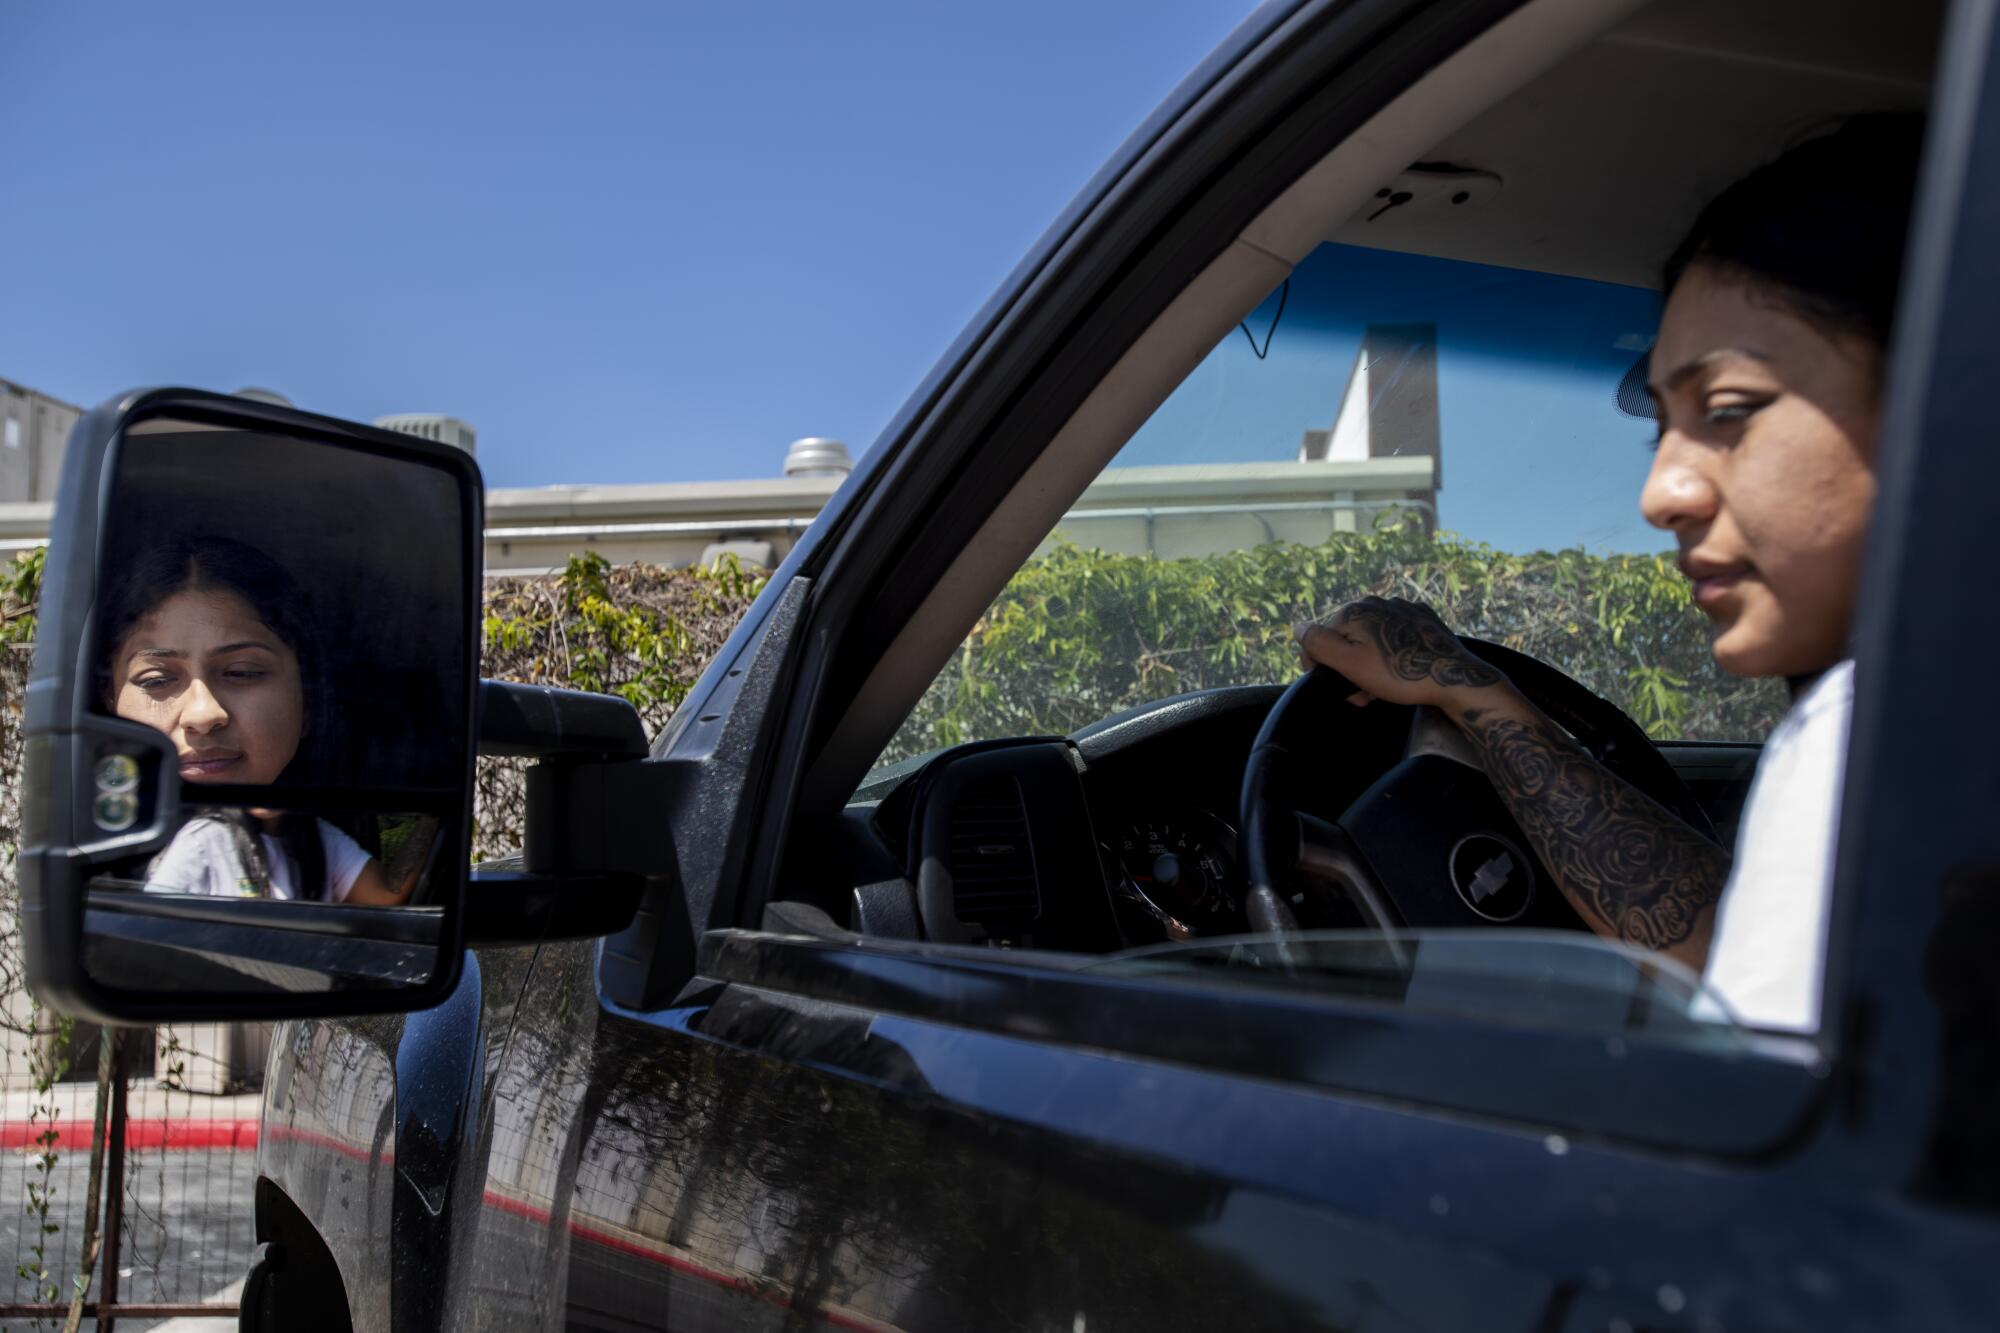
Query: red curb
[{"x": 148, "y": 1132}]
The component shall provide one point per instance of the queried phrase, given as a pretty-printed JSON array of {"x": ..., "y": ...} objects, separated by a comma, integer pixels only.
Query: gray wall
[{"x": 33, "y": 430}]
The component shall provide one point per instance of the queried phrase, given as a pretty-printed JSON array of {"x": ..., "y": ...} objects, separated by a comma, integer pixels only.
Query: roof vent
[
  {"x": 817, "y": 457},
  {"x": 992, "y": 861},
  {"x": 432, "y": 426},
  {"x": 270, "y": 397}
]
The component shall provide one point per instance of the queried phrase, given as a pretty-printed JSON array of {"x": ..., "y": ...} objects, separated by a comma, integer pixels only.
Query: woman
[
  {"x": 1767, "y": 377},
  {"x": 210, "y": 644}
]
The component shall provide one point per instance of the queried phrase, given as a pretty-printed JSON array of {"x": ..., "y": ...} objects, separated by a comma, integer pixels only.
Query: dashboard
[
  {"x": 1121, "y": 835},
  {"x": 1139, "y": 821}
]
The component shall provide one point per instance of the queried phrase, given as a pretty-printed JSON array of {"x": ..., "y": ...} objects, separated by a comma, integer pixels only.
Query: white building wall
[
  {"x": 1167, "y": 511},
  {"x": 33, "y": 430}
]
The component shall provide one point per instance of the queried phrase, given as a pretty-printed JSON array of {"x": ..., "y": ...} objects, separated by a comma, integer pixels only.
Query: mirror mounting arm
[
  {"x": 542, "y": 722},
  {"x": 593, "y": 835}
]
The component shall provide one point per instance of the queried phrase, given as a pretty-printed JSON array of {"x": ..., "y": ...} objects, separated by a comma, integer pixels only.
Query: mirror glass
[{"x": 281, "y": 659}]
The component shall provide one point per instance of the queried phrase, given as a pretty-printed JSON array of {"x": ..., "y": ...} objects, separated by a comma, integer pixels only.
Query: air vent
[{"x": 992, "y": 861}]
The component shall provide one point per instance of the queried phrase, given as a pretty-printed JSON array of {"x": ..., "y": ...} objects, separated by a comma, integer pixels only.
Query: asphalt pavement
[{"x": 187, "y": 1236}]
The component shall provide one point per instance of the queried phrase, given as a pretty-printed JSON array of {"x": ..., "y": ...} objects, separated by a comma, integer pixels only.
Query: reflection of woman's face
[
  {"x": 206, "y": 671},
  {"x": 1766, "y": 470}
]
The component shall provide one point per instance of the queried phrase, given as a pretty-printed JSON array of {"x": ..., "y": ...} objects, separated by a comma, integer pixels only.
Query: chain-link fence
[
  {"x": 126, "y": 1168},
  {"x": 135, "y": 1194}
]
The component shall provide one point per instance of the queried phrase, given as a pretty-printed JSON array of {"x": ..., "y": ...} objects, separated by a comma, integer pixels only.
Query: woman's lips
[
  {"x": 1715, "y": 585},
  {"x": 208, "y": 765}
]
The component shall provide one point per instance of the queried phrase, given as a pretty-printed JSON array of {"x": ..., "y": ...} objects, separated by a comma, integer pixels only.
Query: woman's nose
[
  {"x": 201, "y": 711},
  {"x": 1678, "y": 493}
]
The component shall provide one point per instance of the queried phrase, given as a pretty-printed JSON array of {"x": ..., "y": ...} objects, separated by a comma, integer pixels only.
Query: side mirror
[{"x": 249, "y": 730}]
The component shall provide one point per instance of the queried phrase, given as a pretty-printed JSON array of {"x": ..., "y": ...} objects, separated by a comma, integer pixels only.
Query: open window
[{"x": 1410, "y": 374}]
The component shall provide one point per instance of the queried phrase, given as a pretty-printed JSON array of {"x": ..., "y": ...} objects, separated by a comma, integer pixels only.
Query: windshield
[{"x": 1385, "y": 424}]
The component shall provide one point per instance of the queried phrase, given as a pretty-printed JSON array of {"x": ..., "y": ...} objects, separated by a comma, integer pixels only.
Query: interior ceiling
[{"x": 1605, "y": 160}]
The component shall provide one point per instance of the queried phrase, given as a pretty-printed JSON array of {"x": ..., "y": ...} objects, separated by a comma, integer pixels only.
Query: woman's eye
[
  {"x": 153, "y": 682},
  {"x": 1731, "y": 412},
  {"x": 245, "y": 673}
]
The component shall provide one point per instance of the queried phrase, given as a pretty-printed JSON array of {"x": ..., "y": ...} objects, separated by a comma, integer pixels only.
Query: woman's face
[
  {"x": 206, "y": 671},
  {"x": 1765, "y": 471}
]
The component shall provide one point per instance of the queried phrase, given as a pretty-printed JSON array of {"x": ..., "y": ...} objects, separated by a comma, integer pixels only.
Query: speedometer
[{"x": 1184, "y": 863}]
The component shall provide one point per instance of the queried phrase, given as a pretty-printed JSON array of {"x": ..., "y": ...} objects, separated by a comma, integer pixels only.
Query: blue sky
[
  {"x": 627, "y": 241},
  {"x": 657, "y": 241}
]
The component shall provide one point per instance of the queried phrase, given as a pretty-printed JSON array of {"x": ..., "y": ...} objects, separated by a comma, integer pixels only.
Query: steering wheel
[{"x": 1430, "y": 844}]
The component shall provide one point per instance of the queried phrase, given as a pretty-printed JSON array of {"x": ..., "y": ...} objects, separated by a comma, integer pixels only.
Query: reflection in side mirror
[
  {"x": 139, "y": 928},
  {"x": 290, "y": 856},
  {"x": 254, "y": 776}
]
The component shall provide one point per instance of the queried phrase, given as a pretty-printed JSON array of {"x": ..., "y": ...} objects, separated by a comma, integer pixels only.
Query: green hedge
[
  {"x": 643, "y": 632},
  {"x": 20, "y": 594},
  {"x": 1079, "y": 634}
]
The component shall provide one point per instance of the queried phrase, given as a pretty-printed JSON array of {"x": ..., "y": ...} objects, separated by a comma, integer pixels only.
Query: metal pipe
[
  {"x": 689, "y": 527},
  {"x": 111, "y": 1253},
  {"x": 133, "y": 1310}
]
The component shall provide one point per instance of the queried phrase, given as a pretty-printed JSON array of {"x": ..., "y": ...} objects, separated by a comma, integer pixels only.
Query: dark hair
[
  {"x": 225, "y": 565},
  {"x": 1823, "y": 225}
]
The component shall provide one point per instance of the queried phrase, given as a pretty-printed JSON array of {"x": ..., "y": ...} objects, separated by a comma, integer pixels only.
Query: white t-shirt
[
  {"x": 202, "y": 858},
  {"x": 1768, "y": 953}
]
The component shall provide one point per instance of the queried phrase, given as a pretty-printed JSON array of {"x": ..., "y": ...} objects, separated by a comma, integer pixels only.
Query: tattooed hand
[{"x": 1394, "y": 650}]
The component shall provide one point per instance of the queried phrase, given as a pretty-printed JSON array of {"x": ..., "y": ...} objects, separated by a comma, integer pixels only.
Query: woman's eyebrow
[
  {"x": 1681, "y": 374},
  {"x": 258, "y": 644}
]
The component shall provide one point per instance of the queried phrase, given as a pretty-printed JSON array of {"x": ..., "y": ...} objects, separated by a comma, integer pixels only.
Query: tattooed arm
[{"x": 1634, "y": 870}]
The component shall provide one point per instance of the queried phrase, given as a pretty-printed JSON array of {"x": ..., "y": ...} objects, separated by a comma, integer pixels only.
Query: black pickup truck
[{"x": 798, "y": 1016}]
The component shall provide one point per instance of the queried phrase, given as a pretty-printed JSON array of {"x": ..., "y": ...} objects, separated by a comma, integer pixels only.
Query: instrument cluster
[{"x": 1180, "y": 864}]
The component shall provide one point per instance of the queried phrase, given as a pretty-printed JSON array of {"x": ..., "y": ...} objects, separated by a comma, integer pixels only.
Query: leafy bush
[
  {"x": 20, "y": 594},
  {"x": 643, "y": 632},
  {"x": 1079, "y": 634}
]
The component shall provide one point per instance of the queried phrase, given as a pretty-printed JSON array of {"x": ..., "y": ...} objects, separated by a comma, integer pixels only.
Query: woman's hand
[{"x": 1395, "y": 650}]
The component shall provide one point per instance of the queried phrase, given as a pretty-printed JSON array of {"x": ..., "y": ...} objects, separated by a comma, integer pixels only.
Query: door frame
[{"x": 1923, "y": 780}]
